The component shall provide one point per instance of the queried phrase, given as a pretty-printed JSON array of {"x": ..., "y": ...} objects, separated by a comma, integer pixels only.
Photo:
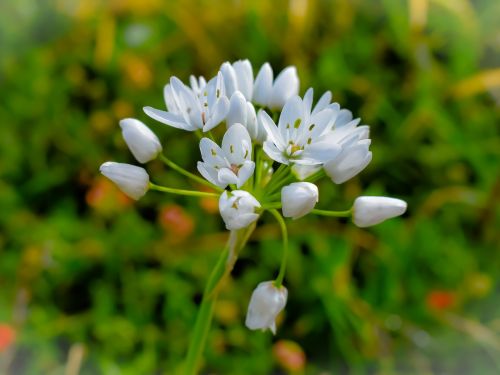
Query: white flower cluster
[{"x": 275, "y": 145}]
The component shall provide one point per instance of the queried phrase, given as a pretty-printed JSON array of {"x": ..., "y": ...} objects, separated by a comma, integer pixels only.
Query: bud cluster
[{"x": 262, "y": 148}]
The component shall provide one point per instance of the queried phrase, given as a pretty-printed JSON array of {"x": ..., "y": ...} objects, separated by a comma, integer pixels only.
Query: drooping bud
[
  {"x": 266, "y": 303},
  {"x": 141, "y": 141},
  {"x": 237, "y": 209},
  {"x": 298, "y": 199},
  {"x": 132, "y": 180},
  {"x": 368, "y": 211}
]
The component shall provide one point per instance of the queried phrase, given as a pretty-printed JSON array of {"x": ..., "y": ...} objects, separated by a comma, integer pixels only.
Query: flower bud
[
  {"x": 266, "y": 303},
  {"x": 285, "y": 86},
  {"x": 237, "y": 209},
  {"x": 141, "y": 141},
  {"x": 368, "y": 211},
  {"x": 263, "y": 85},
  {"x": 237, "y": 110},
  {"x": 243, "y": 112},
  {"x": 132, "y": 180},
  {"x": 298, "y": 199},
  {"x": 349, "y": 162}
]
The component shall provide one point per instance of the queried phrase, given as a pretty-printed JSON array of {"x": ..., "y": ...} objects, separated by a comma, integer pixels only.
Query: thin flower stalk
[{"x": 235, "y": 243}]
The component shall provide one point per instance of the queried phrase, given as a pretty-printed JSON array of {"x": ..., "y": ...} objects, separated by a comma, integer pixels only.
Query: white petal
[
  {"x": 237, "y": 144},
  {"x": 212, "y": 154},
  {"x": 168, "y": 118},
  {"x": 273, "y": 134},
  {"x": 249, "y": 200},
  {"x": 237, "y": 209},
  {"x": 244, "y": 220},
  {"x": 263, "y": 85},
  {"x": 244, "y": 76},
  {"x": 132, "y": 180},
  {"x": 308, "y": 99},
  {"x": 245, "y": 172},
  {"x": 237, "y": 110},
  {"x": 322, "y": 121},
  {"x": 298, "y": 199},
  {"x": 349, "y": 163},
  {"x": 218, "y": 114},
  {"x": 343, "y": 118},
  {"x": 256, "y": 132},
  {"x": 274, "y": 153},
  {"x": 368, "y": 211},
  {"x": 266, "y": 303},
  {"x": 168, "y": 96},
  {"x": 229, "y": 78},
  {"x": 319, "y": 152},
  {"x": 142, "y": 142},
  {"x": 291, "y": 118},
  {"x": 210, "y": 174},
  {"x": 227, "y": 176},
  {"x": 285, "y": 86},
  {"x": 323, "y": 102}
]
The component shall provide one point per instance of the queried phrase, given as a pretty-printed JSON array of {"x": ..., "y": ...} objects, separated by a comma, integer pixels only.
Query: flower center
[
  {"x": 235, "y": 168},
  {"x": 293, "y": 148}
]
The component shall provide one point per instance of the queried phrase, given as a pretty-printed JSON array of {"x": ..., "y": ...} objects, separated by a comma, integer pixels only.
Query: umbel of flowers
[{"x": 262, "y": 148}]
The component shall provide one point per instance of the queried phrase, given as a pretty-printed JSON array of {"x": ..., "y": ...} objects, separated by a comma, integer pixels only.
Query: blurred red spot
[
  {"x": 289, "y": 355},
  {"x": 176, "y": 221},
  {"x": 209, "y": 205},
  {"x": 440, "y": 299},
  {"x": 7, "y": 336},
  {"x": 103, "y": 195}
]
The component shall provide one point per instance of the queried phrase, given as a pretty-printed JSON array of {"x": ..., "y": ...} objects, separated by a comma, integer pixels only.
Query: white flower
[
  {"x": 238, "y": 77},
  {"x": 237, "y": 209},
  {"x": 368, "y": 211},
  {"x": 355, "y": 154},
  {"x": 132, "y": 180},
  {"x": 266, "y": 303},
  {"x": 298, "y": 199},
  {"x": 230, "y": 164},
  {"x": 202, "y": 106},
  {"x": 242, "y": 112},
  {"x": 302, "y": 136},
  {"x": 142, "y": 142},
  {"x": 275, "y": 94}
]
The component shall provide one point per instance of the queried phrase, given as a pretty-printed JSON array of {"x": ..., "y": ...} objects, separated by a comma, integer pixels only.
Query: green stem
[
  {"x": 271, "y": 205},
  {"x": 190, "y": 193},
  {"x": 223, "y": 267},
  {"x": 258, "y": 168},
  {"x": 284, "y": 232},
  {"x": 276, "y": 189},
  {"x": 346, "y": 213},
  {"x": 275, "y": 116},
  {"x": 190, "y": 175},
  {"x": 278, "y": 176},
  {"x": 210, "y": 135},
  {"x": 316, "y": 176}
]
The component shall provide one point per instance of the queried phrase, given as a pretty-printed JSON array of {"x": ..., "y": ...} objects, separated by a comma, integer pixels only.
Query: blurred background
[{"x": 93, "y": 283}]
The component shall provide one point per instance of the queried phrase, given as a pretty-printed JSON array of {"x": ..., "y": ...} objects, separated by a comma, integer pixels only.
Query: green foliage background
[{"x": 82, "y": 267}]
